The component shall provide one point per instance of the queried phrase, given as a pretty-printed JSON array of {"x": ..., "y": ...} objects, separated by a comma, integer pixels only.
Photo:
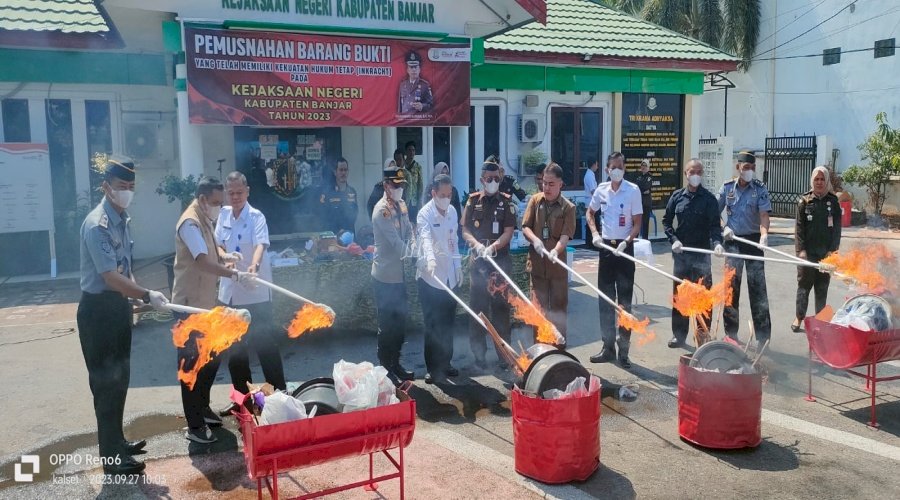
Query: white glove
[
  {"x": 826, "y": 268},
  {"x": 158, "y": 300},
  {"x": 621, "y": 248},
  {"x": 554, "y": 255},
  {"x": 727, "y": 233},
  {"x": 232, "y": 257},
  {"x": 538, "y": 246},
  {"x": 597, "y": 241},
  {"x": 478, "y": 250},
  {"x": 245, "y": 278},
  {"x": 677, "y": 247},
  {"x": 490, "y": 251},
  {"x": 719, "y": 250},
  {"x": 764, "y": 240},
  {"x": 430, "y": 267}
]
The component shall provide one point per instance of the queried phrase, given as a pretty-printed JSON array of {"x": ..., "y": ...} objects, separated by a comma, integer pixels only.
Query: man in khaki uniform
[{"x": 549, "y": 223}]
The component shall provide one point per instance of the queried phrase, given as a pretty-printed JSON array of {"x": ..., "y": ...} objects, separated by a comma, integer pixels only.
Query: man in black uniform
[
  {"x": 489, "y": 219},
  {"x": 696, "y": 212},
  {"x": 508, "y": 184},
  {"x": 644, "y": 182},
  {"x": 338, "y": 202},
  {"x": 104, "y": 314}
]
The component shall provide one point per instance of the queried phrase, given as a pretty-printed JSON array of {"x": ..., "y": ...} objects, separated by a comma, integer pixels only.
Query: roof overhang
[
  {"x": 592, "y": 60},
  {"x": 68, "y": 39}
]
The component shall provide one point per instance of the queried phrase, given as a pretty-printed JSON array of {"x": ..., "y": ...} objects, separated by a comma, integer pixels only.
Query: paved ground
[{"x": 463, "y": 446}]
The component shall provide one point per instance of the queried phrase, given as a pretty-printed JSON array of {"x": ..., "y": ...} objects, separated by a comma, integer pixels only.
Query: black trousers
[
  {"x": 438, "y": 311},
  {"x": 260, "y": 338},
  {"x": 756, "y": 285},
  {"x": 689, "y": 266},
  {"x": 494, "y": 306},
  {"x": 104, "y": 329},
  {"x": 645, "y": 221},
  {"x": 809, "y": 278},
  {"x": 615, "y": 278},
  {"x": 392, "y": 310},
  {"x": 195, "y": 401}
]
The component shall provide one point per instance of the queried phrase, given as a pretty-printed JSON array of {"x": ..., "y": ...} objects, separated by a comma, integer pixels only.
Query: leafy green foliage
[
  {"x": 532, "y": 159},
  {"x": 176, "y": 188},
  {"x": 882, "y": 150}
]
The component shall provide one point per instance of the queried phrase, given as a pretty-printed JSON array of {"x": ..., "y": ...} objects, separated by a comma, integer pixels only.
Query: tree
[
  {"x": 882, "y": 150},
  {"x": 729, "y": 25}
]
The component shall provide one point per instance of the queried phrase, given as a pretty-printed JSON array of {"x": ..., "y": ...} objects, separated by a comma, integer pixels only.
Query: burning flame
[
  {"x": 523, "y": 361},
  {"x": 218, "y": 329},
  {"x": 310, "y": 317},
  {"x": 630, "y": 322},
  {"x": 527, "y": 313},
  {"x": 865, "y": 265},
  {"x": 695, "y": 300}
]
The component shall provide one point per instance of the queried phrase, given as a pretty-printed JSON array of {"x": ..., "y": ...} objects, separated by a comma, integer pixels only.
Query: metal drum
[
  {"x": 319, "y": 392},
  {"x": 721, "y": 356},
  {"x": 551, "y": 368}
]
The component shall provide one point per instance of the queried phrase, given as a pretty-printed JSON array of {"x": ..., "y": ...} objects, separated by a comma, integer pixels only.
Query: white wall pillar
[
  {"x": 190, "y": 143},
  {"x": 80, "y": 143},
  {"x": 459, "y": 158}
]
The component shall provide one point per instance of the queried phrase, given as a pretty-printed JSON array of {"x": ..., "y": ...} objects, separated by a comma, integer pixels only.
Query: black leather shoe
[
  {"x": 625, "y": 362},
  {"x": 226, "y": 412},
  {"x": 134, "y": 447},
  {"x": 452, "y": 372},
  {"x": 604, "y": 356},
  {"x": 796, "y": 326},
  {"x": 402, "y": 373},
  {"x": 128, "y": 465},
  {"x": 675, "y": 343},
  {"x": 429, "y": 379}
]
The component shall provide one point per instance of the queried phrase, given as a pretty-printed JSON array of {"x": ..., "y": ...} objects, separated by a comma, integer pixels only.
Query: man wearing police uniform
[
  {"x": 619, "y": 204},
  {"x": 338, "y": 202},
  {"x": 489, "y": 219},
  {"x": 644, "y": 182},
  {"x": 509, "y": 185},
  {"x": 549, "y": 223},
  {"x": 747, "y": 205},
  {"x": 415, "y": 92},
  {"x": 393, "y": 232},
  {"x": 104, "y": 314},
  {"x": 696, "y": 213}
]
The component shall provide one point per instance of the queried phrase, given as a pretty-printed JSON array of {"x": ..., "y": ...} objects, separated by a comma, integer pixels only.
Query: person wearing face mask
[
  {"x": 691, "y": 219},
  {"x": 746, "y": 203},
  {"x": 817, "y": 233},
  {"x": 198, "y": 266},
  {"x": 393, "y": 232},
  {"x": 489, "y": 219},
  {"x": 104, "y": 314},
  {"x": 441, "y": 168},
  {"x": 439, "y": 260},
  {"x": 549, "y": 223},
  {"x": 644, "y": 182},
  {"x": 619, "y": 205},
  {"x": 378, "y": 189}
]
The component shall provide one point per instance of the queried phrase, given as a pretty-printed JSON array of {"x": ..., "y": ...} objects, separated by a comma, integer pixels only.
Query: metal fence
[{"x": 789, "y": 163}]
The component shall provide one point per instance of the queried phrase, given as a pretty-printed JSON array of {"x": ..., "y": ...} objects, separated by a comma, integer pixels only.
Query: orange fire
[
  {"x": 630, "y": 322},
  {"x": 523, "y": 361},
  {"x": 310, "y": 317},
  {"x": 867, "y": 265},
  {"x": 528, "y": 314},
  {"x": 695, "y": 300},
  {"x": 217, "y": 330}
]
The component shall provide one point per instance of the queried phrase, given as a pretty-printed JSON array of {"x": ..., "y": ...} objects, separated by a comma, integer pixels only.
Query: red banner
[{"x": 291, "y": 79}]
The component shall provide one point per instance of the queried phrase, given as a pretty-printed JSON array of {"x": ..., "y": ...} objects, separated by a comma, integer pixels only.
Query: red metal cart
[
  {"x": 272, "y": 449},
  {"x": 845, "y": 348}
]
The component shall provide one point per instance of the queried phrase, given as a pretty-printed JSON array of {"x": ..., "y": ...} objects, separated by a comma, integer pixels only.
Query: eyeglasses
[{"x": 491, "y": 178}]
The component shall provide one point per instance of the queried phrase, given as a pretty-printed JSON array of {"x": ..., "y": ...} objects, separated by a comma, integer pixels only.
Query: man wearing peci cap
[
  {"x": 415, "y": 93},
  {"x": 747, "y": 205},
  {"x": 104, "y": 314},
  {"x": 393, "y": 231}
]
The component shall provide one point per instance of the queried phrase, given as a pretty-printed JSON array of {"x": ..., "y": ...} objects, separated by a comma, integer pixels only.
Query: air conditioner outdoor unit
[
  {"x": 531, "y": 128},
  {"x": 149, "y": 136}
]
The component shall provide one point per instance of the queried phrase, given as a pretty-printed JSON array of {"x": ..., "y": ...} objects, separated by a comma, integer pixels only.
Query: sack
[
  {"x": 280, "y": 407},
  {"x": 362, "y": 386}
]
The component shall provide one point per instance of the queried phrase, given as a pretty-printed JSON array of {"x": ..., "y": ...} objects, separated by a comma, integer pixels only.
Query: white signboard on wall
[
  {"x": 25, "y": 201},
  {"x": 718, "y": 162}
]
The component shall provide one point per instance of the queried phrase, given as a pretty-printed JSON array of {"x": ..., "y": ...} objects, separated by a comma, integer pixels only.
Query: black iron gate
[{"x": 789, "y": 163}]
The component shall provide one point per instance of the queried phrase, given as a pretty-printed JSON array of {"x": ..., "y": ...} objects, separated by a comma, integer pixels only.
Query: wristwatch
[{"x": 146, "y": 297}]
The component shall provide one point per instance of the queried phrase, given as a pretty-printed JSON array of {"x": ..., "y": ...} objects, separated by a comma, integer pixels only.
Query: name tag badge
[
  {"x": 495, "y": 227},
  {"x": 809, "y": 218},
  {"x": 831, "y": 221},
  {"x": 545, "y": 233},
  {"x": 621, "y": 220}
]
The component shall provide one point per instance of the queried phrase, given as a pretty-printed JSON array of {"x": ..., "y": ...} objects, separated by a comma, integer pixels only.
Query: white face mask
[
  {"x": 442, "y": 203},
  {"x": 121, "y": 197},
  {"x": 491, "y": 187},
  {"x": 616, "y": 175},
  {"x": 747, "y": 175},
  {"x": 211, "y": 212},
  {"x": 694, "y": 180},
  {"x": 397, "y": 194}
]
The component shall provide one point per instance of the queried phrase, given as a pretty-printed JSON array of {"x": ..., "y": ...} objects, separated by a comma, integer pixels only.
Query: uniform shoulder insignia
[
  {"x": 732, "y": 181},
  {"x": 506, "y": 195},
  {"x": 104, "y": 221},
  {"x": 512, "y": 208},
  {"x": 758, "y": 182}
]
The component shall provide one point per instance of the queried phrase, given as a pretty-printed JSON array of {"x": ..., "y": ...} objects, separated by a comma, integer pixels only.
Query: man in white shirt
[
  {"x": 619, "y": 204},
  {"x": 590, "y": 178},
  {"x": 439, "y": 260},
  {"x": 243, "y": 237}
]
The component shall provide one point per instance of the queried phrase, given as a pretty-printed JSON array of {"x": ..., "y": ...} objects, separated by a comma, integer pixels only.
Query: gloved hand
[
  {"x": 554, "y": 255},
  {"x": 764, "y": 240},
  {"x": 677, "y": 247},
  {"x": 621, "y": 248},
  {"x": 490, "y": 251},
  {"x": 719, "y": 250},
  {"x": 158, "y": 300},
  {"x": 232, "y": 257},
  {"x": 728, "y": 233},
  {"x": 478, "y": 250},
  {"x": 430, "y": 266},
  {"x": 597, "y": 240},
  {"x": 538, "y": 246},
  {"x": 826, "y": 268},
  {"x": 245, "y": 278}
]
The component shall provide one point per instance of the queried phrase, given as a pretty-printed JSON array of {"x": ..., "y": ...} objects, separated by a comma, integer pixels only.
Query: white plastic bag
[
  {"x": 362, "y": 386},
  {"x": 575, "y": 389},
  {"x": 281, "y": 407}
]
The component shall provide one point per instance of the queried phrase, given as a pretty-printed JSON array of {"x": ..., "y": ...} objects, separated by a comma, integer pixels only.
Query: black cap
[
  {"x": 413, "y": 58},
  {"x": 746, "y": 157},
  {"x": 118, "y": 166},
  {"x": 396, "y": 175}
]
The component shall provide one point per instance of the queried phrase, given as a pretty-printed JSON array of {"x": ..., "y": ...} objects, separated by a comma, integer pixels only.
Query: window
[
  {"x": 885, "y": 48},
  {"x": 484, "y": 140},
  {"x": 16, "y": 123},
  {"x": 831, "y": 56},
  {"x": 440, "y": 140},
  {"x": 575, "y": 142}
]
